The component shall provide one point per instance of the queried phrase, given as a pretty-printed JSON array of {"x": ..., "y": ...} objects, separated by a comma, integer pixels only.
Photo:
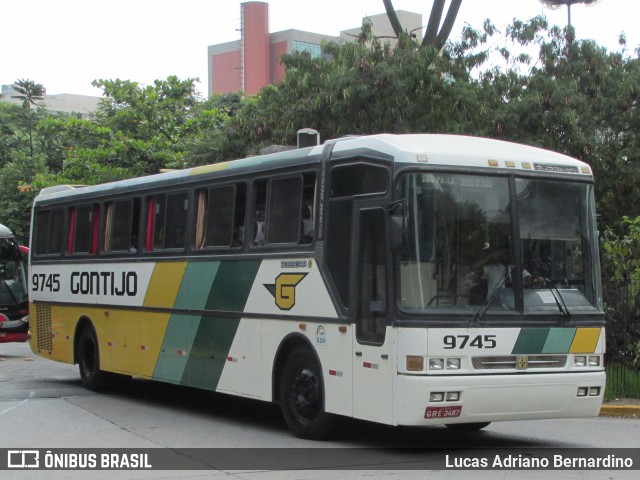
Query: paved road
[{"x": 43, "y": 405}]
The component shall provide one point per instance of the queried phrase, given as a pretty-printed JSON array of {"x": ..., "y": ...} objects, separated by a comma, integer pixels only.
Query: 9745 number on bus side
[{"x": 462, "y": 341}]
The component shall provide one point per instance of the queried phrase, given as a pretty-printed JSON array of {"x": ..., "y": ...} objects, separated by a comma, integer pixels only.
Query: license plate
[{"x": 443, "y": 412}]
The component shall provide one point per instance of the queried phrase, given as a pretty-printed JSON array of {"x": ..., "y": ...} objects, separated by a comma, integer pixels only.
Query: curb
[{"x": 620, "y": 411}]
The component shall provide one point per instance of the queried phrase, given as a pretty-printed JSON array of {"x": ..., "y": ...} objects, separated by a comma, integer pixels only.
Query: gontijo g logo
[{"x": 284, "y": 290}]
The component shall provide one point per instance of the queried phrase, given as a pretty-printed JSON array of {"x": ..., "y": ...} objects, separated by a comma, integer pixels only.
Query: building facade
[
  {"x": 81, "y": 105},
  {"x": 253, "y": 61}
]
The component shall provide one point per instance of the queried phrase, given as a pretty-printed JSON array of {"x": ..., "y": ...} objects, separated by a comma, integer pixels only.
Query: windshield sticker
[{"x": 546, "y": 297}]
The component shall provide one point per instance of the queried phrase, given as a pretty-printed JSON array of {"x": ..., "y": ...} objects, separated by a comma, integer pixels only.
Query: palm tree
[{"x": 29, "y": 92}]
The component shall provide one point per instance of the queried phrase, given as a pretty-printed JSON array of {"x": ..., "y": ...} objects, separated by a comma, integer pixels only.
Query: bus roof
[
  {"x": 424, "y": 149},
  {"x": 459, "y": 150}
]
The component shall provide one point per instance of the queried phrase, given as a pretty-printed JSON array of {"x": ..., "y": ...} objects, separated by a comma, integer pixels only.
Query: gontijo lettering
[{"x": 104, "y": 283}]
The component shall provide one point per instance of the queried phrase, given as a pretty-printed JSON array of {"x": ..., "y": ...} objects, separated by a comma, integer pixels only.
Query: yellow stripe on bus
[
  {"x": 585, "y": 341},
  {"x": 164, "y": 284},
  {"x": 216, "y": 167}
]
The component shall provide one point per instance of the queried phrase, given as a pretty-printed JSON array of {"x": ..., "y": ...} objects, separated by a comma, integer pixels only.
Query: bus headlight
[
  {"x": 436, "y": 364},
  {"x": 580, "y": 361},
  {"x": 453, "y": 364},
  {"x": 594, "y": 360}
]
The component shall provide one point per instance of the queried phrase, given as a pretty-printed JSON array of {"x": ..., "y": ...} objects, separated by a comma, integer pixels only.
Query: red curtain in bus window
[
  {"x": 151, "y": 221},
  {"x": 95, "y": 228},
  {"x": 72, "y": 230}
]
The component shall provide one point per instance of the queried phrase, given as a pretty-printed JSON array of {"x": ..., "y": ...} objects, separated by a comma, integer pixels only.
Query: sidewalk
[{"x": 629, "y": 408}]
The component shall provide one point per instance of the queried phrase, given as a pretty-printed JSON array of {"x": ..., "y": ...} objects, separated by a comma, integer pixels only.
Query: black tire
[
  {"x": 467, "y": 427},
  {"x": 302, "y": 397},
  {"x": 89, "y": 362}
]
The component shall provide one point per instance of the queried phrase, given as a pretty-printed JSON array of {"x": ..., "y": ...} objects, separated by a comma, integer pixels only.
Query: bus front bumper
[{"x": 492, "y": 398}]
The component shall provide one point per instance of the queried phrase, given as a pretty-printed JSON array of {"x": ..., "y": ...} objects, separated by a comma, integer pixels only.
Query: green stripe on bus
[
  {"x": 196, "y": 285},
  {"x": 232, "y": 285},
  {"x": 195, "y": 347},
  {"x": 178, "y": 341},
  {"x": 559, "y": 340},
  {"x": 209, "y": 352},
  {"x": 530, "y": 341}
]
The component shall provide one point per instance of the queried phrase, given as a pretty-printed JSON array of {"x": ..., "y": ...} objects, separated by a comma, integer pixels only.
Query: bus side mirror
[{"x": 399, "y": 234}]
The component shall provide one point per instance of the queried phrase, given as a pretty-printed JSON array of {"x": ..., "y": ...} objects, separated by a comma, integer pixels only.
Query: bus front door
[{"x": 372, "y": 350}]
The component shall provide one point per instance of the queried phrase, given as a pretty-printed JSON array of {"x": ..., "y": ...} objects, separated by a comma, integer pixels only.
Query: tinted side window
[
  {"x": 82, "y": 229},
  {"x": 121, "y": 226},
  {"x": 170, "y": 221},
  {"x": 48, "y": 232},
  {"x": 358, "y": 179},
  {"x": 285, "y": 210},
  {"x": 220, "y": 215}
]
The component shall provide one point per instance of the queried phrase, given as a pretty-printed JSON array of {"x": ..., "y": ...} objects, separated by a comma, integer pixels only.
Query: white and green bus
[{"x": 402, "y": 279}]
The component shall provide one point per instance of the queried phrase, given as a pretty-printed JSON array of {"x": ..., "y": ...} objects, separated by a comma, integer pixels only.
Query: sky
[{"x": 66, "y": 44}]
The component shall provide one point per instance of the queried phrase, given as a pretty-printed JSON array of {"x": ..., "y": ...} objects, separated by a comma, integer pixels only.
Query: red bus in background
[{"x": 14, "y": 296}]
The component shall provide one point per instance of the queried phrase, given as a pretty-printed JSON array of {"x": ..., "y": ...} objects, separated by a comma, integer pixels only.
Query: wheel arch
[{"x": 288, "y": 344}]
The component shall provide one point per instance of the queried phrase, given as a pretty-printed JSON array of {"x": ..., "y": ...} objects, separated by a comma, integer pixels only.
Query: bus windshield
[
  {"x": 462, "y": 252},
  {"x": 13, "y": 281}
]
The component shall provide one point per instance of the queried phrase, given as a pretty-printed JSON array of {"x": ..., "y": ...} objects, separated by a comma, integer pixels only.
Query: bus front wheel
[
  {"x": 89, "y": 361},
  {"x": 302, "y": 397}
]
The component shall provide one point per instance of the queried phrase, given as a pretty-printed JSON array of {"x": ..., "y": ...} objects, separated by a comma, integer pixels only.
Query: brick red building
[{"x": 253, "y": 61}]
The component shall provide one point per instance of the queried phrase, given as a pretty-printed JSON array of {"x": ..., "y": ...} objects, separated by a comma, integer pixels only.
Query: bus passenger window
[
  {"x": 121, "y": 226},
  {"x": 284, "y": 210},
  {"x": 284, "y": 217},
  {"x": 83, "y": 229},
  {"x": 167, "y": 221},
  {"x": 48, "y": 232}
]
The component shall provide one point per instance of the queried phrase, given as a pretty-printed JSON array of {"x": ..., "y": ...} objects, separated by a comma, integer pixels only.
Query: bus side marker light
[
  {"x": 342, "y": 329},
  {"x": 493, "y": 163},
  {"x": 182, "y": 353},
  {"x": 232, "y": 359},
  {"x": 302, "y": 326},
  {"x": 415, "y": 363},
  {"x": 335, "y": 373}
]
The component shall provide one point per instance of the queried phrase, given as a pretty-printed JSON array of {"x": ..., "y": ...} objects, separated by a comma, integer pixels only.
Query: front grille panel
[{"x": 510, "y": 362}]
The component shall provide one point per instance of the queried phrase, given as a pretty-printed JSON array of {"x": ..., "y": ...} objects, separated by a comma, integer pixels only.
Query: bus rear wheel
[
  {"x": 302, "y": 397},
  {"x": 89, "y": 361}
]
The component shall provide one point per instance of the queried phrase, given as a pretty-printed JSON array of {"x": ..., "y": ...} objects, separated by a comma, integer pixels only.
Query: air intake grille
[
  {"x": 510, "y": 362},
  {"x": 43, "y": 326}
]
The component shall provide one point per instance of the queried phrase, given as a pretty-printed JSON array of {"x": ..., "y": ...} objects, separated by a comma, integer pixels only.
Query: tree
[
  {"x": 435, "y": 35},
  {"x": 29, "y": 92}
]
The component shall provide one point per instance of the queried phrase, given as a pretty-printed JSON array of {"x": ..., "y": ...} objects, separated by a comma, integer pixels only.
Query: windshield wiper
[
  {"x": 562, "y": 306},
  {"x": 491, "y": 296}
]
